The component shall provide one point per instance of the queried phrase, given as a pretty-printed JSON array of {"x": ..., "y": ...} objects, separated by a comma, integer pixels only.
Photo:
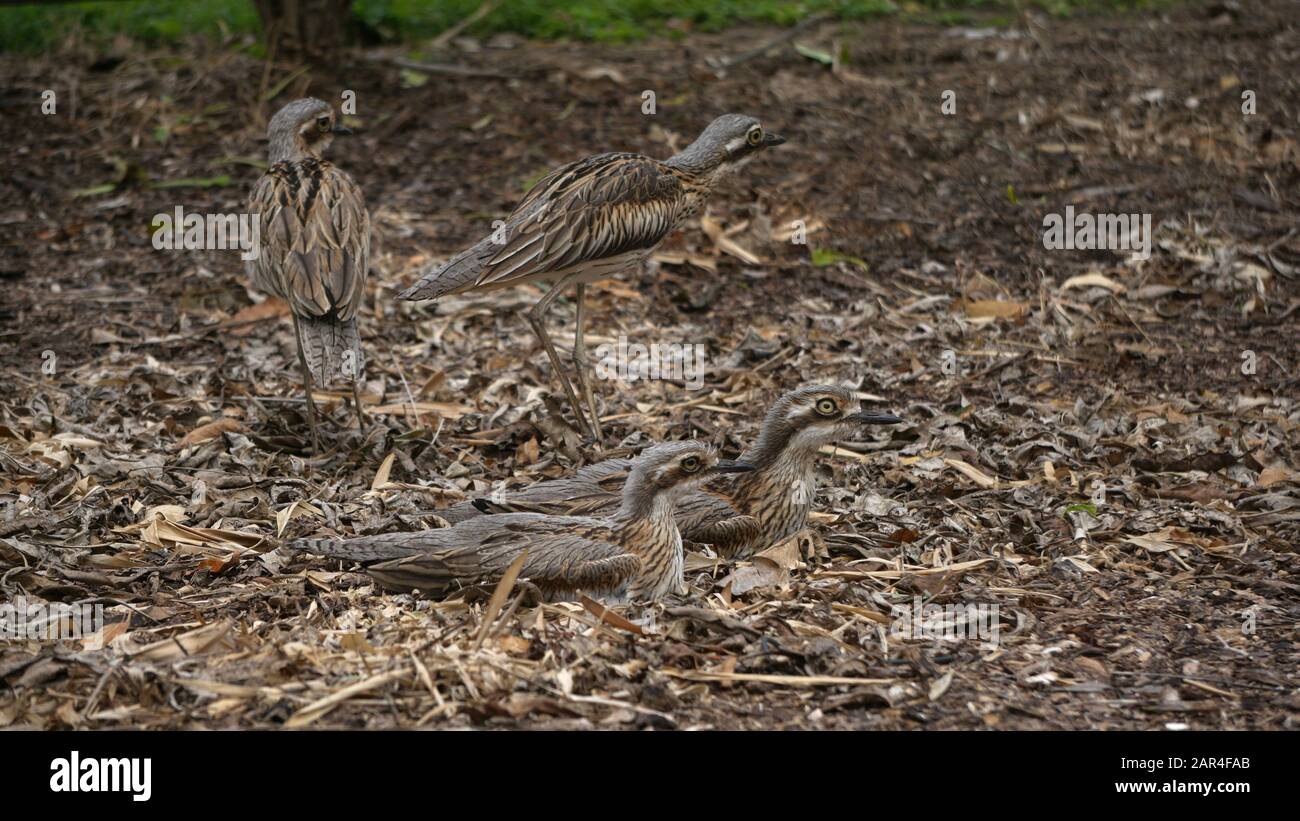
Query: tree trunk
[{"x": 314, "y": 29}]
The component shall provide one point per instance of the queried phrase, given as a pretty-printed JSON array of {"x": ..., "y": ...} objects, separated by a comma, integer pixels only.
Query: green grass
[
  {"x": 34, "y": 28},
  {"x": 602, "y": 20}
]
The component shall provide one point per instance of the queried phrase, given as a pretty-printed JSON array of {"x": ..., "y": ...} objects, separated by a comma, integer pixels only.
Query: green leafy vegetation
[
  {"x": 34, "y": 28},
  {"x": 30, "y": 28},
  {"x": 821, "y": 257}
]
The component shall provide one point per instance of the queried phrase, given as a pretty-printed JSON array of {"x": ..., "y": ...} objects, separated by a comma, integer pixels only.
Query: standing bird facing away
[
  {"x": 634, "y": 553},
  {"x": 315, "y": 246},
  {"x": 736, "y": 515},
  {"x": 592, "y": 219}
]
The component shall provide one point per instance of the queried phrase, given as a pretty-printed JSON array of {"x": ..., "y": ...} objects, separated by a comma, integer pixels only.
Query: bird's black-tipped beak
[
  {"x": 730, "y": 466},
  {"x": 876, "y": 418},
  {"x": 770, "y": 140},
  {"x": 341, "y": 129}
]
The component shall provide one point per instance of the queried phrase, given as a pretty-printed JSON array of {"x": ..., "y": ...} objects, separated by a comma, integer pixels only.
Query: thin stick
[
  {"x": 440, "y": 42},
  {"x": 444, "y": 69},
  {"x": 806, "y": 23}
]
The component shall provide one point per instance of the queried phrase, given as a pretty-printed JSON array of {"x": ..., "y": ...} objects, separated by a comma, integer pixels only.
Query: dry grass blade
[
  {"x": 1093, "y": 280},
  {"x": 447, "y": 410},
  {"x": 320, "y": 707},
  {"x": 381, "y": 476},
  {"x": 183, "y": 646},
  {"x": 623, "y": 705},
  {"x": 608, "y": 616},
  {"x": 973, "y": 473},
  {"x": 210, "y": 431},
  {"x": 898, "y": 574},
  {"x": 764, "y": 678},
  {"x": 841, "y": 453},
  {"x": 499, "y": 595}
]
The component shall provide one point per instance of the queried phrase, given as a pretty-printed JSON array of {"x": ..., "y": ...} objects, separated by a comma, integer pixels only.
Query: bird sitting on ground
[
  {"x": 736, "y": 516},
  {"x": 315, "y": 246},
  {"x": 634, "y": 553},
  {"x": 592, "y": 219}
]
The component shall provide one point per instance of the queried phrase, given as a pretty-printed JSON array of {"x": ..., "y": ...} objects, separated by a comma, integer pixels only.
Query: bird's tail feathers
[
  {"x": 456, "y": 274},
  {"x": 462, "y": 511},
  {"x": 364, "y": 549},
  {"x": 332, "y": 349}
]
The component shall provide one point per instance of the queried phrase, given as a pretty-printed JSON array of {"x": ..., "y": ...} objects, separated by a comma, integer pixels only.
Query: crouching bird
[
  {"x": 592, "y": 219},
  {"x": 634, "y": 553},
  {"x": 735, "y": 515},
  {"x": 315, "y": 247}
]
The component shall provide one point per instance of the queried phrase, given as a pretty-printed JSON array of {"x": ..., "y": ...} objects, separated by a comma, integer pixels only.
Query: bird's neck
[
  {"x": 779, "y": 492},
  {"x": 642, "y": 507},
  {"x": 291, "y": 148},
  {"x": 694, "y": 160},
  {"x": 644, "y": 526},
  {"x": 776, "y": 445},
  {"x": 787, "y": 465}
]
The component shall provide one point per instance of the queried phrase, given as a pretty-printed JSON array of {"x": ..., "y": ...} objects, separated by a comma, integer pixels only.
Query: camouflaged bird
[
  {"x": 735, "y": 515},
  {"x": 315, "y": 245},
  {"x": 592, "y": 219},
  {"x": 635, "y": 553}
]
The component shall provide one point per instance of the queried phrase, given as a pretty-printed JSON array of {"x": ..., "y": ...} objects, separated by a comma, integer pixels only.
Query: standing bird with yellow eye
[
  {"x": 592, "y": 219},
  {"x": 315, "y": 246}
]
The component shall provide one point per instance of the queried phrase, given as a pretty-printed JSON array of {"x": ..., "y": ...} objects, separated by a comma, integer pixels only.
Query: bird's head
[
  {"x": 664, "y": 471},
  {"x": 303, "y": 128},
  {"x": 805, "y": 419},
  {"x": 727, "y": 144}
]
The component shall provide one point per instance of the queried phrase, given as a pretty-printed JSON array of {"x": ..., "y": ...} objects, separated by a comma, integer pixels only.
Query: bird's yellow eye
[
  {"x": 826, "y": 407},
  {"x": 755, "y": 135},
  {"x": 691, "y": 464},
  {"x": 323, "y": 123}
]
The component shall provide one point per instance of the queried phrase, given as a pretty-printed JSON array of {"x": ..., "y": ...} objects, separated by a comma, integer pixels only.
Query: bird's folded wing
[
  {"x": 498, "y": 533},
  {"x": 315, "y": 238},
  {"x": 596, "y": 208},
  {"x": 549, "y": 501},
  {"x": 580, "y": 564},
  {"x": 706, "y": 516},
  {"x": 563, "y": 555},
  {"x": 608, "y": 475},
  {"x": 729, "y": 538},
  {"x": 592, "y": 488},
  {"x": 428, "y": 573}
]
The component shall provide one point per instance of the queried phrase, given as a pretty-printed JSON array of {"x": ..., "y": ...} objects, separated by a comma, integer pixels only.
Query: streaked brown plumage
[
  {"x": 315, "y": 245},
  {"x": 636, "y": 552},
  {"x": 592, "y": 219},
  {"x": 735, "y": 515}
]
